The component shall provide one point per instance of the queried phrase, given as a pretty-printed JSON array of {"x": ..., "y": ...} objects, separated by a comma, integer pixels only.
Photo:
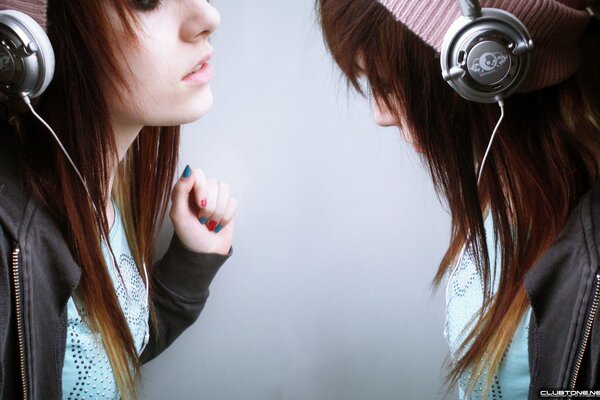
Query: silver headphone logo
[{"x": 488, "y": 63}]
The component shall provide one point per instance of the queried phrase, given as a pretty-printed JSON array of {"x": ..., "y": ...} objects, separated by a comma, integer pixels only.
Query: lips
[{"x": 201, "y": 72}]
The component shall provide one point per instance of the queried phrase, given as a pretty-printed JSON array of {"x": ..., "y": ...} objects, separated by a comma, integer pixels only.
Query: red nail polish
[
  {"x": 203, "y": 203},
  {"x": 211, "y": 226}
]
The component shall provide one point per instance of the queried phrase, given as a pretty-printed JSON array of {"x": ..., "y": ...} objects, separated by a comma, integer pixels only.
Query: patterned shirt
[
  {"x": 87, "y": 373},
  {"x": 464, "y": 298}
]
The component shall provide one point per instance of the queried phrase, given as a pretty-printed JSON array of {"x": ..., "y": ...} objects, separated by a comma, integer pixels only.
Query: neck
[{"x": 125, "y": 134}]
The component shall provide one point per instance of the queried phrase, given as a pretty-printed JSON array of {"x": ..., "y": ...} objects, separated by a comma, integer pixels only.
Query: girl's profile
[
  {"x": 89, "y": 142},
  {"x": 501, "y": 102}
]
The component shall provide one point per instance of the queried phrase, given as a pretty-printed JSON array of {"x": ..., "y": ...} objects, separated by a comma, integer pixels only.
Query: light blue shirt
[
  {"x": 464, "y": 298},
  {"x": 87, "y": 373}
]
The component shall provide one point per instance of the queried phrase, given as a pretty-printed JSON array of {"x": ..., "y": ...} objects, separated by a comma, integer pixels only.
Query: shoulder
[
  {"x": 572, "y": 261},
  {"x": 21, "y": 215}
]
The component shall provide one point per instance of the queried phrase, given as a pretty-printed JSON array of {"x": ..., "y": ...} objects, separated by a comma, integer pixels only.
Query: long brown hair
[
  {"x": 544, "y": 159},
  {"x": 75, "y": 105}
]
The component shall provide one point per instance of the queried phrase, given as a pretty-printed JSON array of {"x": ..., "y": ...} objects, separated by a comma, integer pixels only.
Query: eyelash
[{"x": 147, "y": 5}]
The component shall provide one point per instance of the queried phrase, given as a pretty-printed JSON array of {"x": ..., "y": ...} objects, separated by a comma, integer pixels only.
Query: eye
[{"x": 146, "y": 5}]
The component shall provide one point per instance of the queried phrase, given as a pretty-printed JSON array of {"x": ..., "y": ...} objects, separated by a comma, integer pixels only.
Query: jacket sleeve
[{"x": 180, "y": 284}]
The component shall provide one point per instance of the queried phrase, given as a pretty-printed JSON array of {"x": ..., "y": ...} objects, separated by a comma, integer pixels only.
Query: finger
[
  {"x": 222, "y": 201},
  {"x": 200, "y": 188},
  {"x": 181, "y": 191},
  {"x": 227, "y": 215},
  {"x": 211, "y": 201}
]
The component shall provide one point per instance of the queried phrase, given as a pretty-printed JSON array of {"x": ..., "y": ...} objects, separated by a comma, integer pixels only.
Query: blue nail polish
[
  {"x": 218, "y": 228},
  {"x": 187, "y": 171},
  {"x": 203, "y": 220}
]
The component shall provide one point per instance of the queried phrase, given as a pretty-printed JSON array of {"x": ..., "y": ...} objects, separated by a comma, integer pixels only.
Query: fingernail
[
  {"x": 218, "y": 228},
  {"x": 187, "y": 171},
  {"x": 203, "y": 220},
  {"x": 211, "y": 226},
  {"x": 203, "y": 203}
]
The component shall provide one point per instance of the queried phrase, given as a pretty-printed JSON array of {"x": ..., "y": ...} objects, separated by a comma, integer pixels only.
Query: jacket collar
[
  {"x": 580, "y": 234},
  {"x": 31, "y": 227},
  {"x": 13, "y": 194}
]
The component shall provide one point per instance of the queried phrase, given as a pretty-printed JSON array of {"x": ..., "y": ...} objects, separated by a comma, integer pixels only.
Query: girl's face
[
  {"x": 384, "y": 117},
  {"x": 167, "y": 70}
]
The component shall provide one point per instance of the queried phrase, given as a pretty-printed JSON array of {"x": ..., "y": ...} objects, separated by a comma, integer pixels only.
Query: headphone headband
[{"x": 470, "y": 8}]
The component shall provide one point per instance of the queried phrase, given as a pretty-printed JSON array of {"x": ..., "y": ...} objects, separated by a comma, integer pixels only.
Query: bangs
[
  {"x": 388, "y": 57},
  {"x": 348, "y": 37},
  {"x": 125, "y": 11}
]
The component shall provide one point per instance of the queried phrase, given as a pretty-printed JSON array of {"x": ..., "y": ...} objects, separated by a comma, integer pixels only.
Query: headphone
[
  {"x": 26, "y": 69},
  {"x": 26, "y": 56},
  {"x": 486, "y": 53}
]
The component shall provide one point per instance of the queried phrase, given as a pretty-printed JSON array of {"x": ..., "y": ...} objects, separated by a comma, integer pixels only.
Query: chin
[
  {"x": 199, "y": 107},
  {"x": 384, "y": 123},
  {"x": 190, "y": 111},
  {"x": 383, "y": 120}
]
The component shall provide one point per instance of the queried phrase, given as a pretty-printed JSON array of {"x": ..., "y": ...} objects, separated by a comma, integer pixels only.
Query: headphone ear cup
[
  {"x": 486, "y": 59},
  {"x": 26, "y": 48}
]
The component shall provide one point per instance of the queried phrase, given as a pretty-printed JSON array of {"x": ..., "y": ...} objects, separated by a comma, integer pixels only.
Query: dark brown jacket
[{"x": 564, "y": 291}]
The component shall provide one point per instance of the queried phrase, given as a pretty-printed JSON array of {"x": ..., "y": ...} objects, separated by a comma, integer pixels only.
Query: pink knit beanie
[
  {"x": 555, "y": 26},
  {"x": 36, "y": 9}
]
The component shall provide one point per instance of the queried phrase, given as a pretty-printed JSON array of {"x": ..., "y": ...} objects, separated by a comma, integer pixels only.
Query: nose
[{"x": 200, "y": 20}]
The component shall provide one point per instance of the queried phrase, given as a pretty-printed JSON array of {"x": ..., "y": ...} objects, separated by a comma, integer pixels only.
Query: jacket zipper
[
  {"x": 587, "y": 332},
  {"x": 19, "y": 310}
]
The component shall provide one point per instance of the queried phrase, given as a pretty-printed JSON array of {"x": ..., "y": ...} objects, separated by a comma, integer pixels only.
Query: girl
[
  {"x": 81, "y": 303},
  {"x": 522, "y": 263}
]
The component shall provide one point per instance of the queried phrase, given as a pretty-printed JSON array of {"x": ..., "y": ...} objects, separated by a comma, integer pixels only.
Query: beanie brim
[{"x": 36, "y": 9}]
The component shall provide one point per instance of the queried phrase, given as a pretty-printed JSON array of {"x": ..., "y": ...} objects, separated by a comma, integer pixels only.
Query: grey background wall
[{"x": 338, "y": 232}]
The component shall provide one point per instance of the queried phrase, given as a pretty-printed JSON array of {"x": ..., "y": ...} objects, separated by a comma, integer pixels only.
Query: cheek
[
  {"x": 384, "y": 118},
  {"x": 158, "y": 96},
  {"x": 148, "y": 78},
  {"x": 141, "y": 75}
]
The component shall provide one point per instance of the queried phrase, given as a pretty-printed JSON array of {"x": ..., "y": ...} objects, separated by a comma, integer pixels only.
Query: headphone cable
[
  {"x": 479, "y": 174},
  {"x": 27, "y": 101}
]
